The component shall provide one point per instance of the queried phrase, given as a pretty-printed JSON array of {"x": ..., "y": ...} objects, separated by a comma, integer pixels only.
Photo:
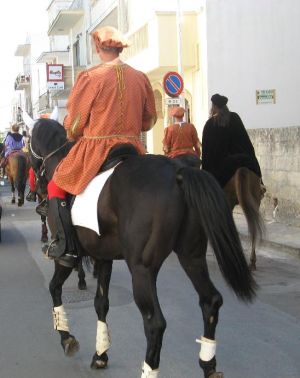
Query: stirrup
[
  {"x": 31, "y": 197},
  {"x": 42, "y": 208}
]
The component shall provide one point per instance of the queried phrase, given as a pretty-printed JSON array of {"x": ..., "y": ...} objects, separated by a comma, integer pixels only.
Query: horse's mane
[{"x": 48, "y": 133}]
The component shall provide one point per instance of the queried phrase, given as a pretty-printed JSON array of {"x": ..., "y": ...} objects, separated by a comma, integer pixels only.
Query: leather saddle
[{"x": 117, "y": 154}]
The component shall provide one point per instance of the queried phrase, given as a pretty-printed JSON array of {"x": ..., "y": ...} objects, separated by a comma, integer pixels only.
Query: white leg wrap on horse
[
  {"x": 60, "y": 320},
  {"x": 147, "y": 372},
  {"x": 208, "y": 348},
  {"x": 103, "y": 338}
]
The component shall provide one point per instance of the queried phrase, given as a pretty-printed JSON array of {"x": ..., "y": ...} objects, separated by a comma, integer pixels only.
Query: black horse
[{"x": 148, "y": 208}]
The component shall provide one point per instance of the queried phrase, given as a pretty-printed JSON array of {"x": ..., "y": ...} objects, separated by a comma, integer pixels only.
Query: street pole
[{"x": 179, "y": 47}]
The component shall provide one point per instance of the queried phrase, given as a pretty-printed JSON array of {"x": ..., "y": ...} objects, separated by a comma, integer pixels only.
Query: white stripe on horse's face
[
  {"x": 29, "y": 122},
  {"x": 54, "y": 114}
]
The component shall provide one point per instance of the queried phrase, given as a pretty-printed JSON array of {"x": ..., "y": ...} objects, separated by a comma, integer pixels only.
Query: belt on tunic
[
  {"x": 112, "y": 136},
  {"x": 182, "y": 149}
]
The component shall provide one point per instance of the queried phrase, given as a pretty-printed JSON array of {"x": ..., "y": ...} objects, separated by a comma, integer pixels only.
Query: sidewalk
[{"x": 278, "y": 236}]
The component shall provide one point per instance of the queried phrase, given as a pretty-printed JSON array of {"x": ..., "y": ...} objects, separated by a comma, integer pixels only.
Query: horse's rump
[
  {"x": 17, "y": 171},
  {"x": 137, "y": 201}
]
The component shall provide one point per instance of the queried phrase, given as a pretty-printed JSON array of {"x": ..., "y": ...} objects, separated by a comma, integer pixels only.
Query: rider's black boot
[{"x": 63, "y": 247}]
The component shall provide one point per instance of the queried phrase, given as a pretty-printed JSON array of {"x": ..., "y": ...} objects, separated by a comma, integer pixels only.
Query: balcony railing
[{"x": 22, "y": 82}]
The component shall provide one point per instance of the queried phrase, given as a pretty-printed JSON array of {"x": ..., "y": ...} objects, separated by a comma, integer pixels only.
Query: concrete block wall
[{"x": 278, "y": 152}]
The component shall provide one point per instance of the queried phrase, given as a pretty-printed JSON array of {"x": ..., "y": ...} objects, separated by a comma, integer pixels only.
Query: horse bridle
[{"x": 44, "y": 159}]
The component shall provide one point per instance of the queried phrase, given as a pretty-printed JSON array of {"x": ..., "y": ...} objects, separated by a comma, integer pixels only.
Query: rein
[{"x": 44, "y": 159}]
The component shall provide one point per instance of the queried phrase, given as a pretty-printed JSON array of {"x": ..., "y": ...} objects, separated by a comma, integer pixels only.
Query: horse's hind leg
[
  {"x": 210, "y": 301},
  {"x": 60, "y": 320},
  {"x": 13, "y": 192},
  {"x": 81, "y": 277},
  {"x": 145, "y": 296},
  {"x": 252, "y": 264},
  {"x": 101, "y": 304}
]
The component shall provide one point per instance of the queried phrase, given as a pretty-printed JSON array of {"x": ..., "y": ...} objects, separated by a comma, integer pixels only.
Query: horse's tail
[
  {"x": 249, "y": 199},
  {"x": 204, "y": 195},
  {"x": 21, "y": 176}
]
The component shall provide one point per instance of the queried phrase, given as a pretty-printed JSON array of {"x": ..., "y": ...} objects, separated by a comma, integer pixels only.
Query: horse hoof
[
  {"x": 99, "y": 362},
  {"x": 70, "y": 346},
  {"x": 82, "y": 285},
  {"x": 13, "y": 201},
  {"x": 216, "y": 375}
]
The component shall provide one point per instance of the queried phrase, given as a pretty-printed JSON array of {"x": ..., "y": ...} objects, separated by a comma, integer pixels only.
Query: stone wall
[{"x": 278, "y": 151}]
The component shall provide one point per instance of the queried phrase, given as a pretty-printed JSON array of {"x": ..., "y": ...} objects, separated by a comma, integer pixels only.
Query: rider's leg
[
  {"x": 63, "y": 247},
  {"x": 31, "y": 196}
]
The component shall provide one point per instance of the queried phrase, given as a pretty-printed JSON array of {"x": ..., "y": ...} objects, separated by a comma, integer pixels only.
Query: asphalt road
[{"x": 261, "y": 340}]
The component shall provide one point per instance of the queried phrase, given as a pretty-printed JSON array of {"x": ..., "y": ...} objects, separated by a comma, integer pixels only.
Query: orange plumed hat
[
  {"x": 109, "y": 36},
  {"x": 177, "y": 112}
]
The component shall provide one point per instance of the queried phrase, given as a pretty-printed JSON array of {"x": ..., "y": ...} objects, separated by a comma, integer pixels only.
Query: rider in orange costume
[
  {"x": 181, "y": 138},
  {"x": 109, "y": 105}
]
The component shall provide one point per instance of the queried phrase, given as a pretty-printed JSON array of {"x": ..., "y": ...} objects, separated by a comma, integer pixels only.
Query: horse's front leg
[
  {"x": 69, "y": 343},
  {"x": 101, "y": 304},
  {"x": 210, "y": 301},
  {"x": 20, "y": 199},
  {"x": 145, "y": 296}
]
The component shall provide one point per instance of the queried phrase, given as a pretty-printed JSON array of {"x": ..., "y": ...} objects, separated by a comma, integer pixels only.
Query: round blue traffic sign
[{"x": 173, "y": 84}]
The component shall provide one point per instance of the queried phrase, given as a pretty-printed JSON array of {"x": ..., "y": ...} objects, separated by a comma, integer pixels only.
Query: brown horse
[
  {"x": 245, "y": 189},
  {"x": 17, "y": 172}
]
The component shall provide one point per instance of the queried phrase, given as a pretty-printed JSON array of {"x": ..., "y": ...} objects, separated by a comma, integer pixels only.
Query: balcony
[
  {"x": 53, "y": 57},
  {"x": 104, "y": 13},
  {"x": 64, "y": 15},
  {"x": 154, "y": 46},
  {"x": 56, "y": 6},
  {"x": 22, "y": 82}
]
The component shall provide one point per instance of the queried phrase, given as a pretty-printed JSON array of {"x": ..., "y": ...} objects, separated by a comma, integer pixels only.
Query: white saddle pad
[{"x": 84, "y": 209}]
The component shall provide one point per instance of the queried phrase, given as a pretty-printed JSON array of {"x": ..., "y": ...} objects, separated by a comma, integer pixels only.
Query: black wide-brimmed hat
[{"x": 219, "y": 100}]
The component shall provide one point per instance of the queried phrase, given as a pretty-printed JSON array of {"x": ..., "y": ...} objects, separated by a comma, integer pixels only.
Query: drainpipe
[{"x": 72, "y": 57}]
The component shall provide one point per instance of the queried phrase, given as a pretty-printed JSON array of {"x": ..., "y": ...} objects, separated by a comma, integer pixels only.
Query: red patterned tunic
[
  {"x": 108, "y": 105},
  {"x": 181, "y": 138}
]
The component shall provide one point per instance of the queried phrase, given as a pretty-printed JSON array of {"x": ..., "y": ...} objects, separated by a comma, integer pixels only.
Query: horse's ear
[
  {"x": 29, "y": 122},
  {"x": 54, "y": 114}
]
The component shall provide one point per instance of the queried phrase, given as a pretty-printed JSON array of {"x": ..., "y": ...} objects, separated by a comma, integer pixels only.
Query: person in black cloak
[{"x": 226, "y": 145}]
